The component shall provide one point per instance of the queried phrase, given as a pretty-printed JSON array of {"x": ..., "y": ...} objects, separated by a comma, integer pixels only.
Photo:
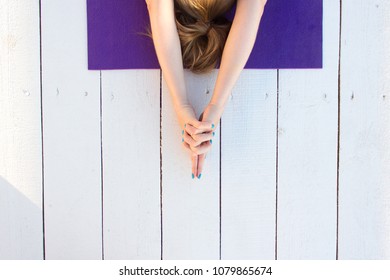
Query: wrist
[
  {"x": 178, "y": 94},
  {"x": 219, "y": 100},
  {"x": 181, "y": 105},
  {"x": 214, "y": 113},
  {"x": 219, "y": 107}
]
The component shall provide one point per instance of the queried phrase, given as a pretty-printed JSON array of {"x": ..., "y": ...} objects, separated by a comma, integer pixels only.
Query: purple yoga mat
[{"x": 290, "y": 35}]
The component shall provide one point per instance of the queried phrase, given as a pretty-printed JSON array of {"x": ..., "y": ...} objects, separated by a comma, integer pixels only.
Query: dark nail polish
[
  {"x": 200, "y": 175},
  {"x": 193, "y": 176},
  {"x": 213, "y": 133},
  {"x": 182, "y": 132},
  {"x": 182, "y": 139},
  {"x": 211, "y": 141},
  {"x": 212, "y": 126},
  {"x": 185, "y": 125}
]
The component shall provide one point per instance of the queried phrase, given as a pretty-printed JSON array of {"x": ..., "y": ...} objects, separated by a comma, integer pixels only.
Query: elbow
[
  {"x": 261, "y": 5},
  {"x": 149, "y": 4},
  {"x": 260, "y": 2},
  {"x": 252, "y": 6},
  {"x": 264, "y": 2},
  {"x": 153, "y": 4},
  {"x": 253, "y": 3}
]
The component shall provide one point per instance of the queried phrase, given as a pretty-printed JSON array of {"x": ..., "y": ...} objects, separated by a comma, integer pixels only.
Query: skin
[{"x": 198, "y": 133}]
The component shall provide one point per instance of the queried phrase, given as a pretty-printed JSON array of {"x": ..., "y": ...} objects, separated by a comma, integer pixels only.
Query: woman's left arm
[{"x": 239, "y": 45}]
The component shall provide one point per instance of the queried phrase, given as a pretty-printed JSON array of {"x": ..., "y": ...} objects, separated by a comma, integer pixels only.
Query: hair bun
[
  {"x": 202, "y": 30},
  {"x": 204, "y": 26}
]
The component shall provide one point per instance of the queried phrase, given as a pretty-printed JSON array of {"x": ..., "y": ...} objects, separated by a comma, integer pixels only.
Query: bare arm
[
  {"x": 238, "y": 47},
  {"x": 239, "y": 44},
  {"x": 167, "y": 45}
]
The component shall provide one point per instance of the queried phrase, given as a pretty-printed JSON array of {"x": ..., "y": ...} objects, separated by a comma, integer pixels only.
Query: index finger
[
  {"x": 192, "y": 130},
  {"x": 202, "y": 125},
  {"x": 201, "y": 159},
  {"x": 194, "y": 159}
]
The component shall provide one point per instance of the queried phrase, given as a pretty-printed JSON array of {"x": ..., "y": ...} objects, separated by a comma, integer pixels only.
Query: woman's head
[{"x": 202, "y": 30}]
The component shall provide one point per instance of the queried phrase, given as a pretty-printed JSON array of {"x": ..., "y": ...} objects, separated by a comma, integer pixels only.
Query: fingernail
[
  {"x": 182, "y": 132},
  {"x": 213, "y": 133},
  {"x": 211, "y": 141},
  {"x": 185, "y": 125},
  {"x": 193, "y": 176},
  {"x": 200, "y": 175},
  {"x": 182, "y": 139},
  {"x": 212, "y": 126}
]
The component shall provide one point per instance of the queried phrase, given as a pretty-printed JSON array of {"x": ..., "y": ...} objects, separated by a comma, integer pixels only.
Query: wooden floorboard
[
  {"x": 72, "y": 145},
  {"x": 92, "y": 164},
  {"x": 21, "y": 235},
  {"x": 365, "y": 131}
]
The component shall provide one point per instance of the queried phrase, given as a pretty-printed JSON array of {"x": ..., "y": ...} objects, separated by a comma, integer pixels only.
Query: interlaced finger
[{"x": 202, "y": 148}]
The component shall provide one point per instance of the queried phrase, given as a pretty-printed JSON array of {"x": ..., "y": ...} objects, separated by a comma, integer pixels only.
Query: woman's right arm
[{"x": 167, "y": 45}]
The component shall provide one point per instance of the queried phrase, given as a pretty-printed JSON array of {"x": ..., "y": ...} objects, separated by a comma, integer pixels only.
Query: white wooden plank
[
  {"x": 365, "y": 131},
  {"x": 307, "y": 173},
  {"x": 249, "y": 168},
  {"x": 190, "y": 206},
  {"x": 21, "y": 233},
  {"x": 71, "y": 107},
  {"x": 131, "y": 170}
]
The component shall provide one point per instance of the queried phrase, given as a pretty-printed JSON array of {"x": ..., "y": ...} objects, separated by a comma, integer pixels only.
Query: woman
[{"x": 193, "y": 34}]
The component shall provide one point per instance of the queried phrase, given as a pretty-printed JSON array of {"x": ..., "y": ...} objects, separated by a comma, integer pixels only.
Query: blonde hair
[{"x": 203, "y": 31}]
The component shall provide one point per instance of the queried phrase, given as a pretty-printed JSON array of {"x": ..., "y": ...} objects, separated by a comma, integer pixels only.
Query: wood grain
[
  {"x": 249, "y": 168},
  {"x": 21, "y": 232},
  {"x": 71, "y": 118},
  {"x": 131, "y": 171},
  {"x": 273, "y": 194},
  {"x": 307, "y": 175},
  {"x": 365, "y": 131},
  {"x": 190, "y": 206}
]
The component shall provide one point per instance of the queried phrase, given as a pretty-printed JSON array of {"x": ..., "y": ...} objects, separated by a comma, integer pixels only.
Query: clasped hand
[{"x": 197, "y": 135}]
